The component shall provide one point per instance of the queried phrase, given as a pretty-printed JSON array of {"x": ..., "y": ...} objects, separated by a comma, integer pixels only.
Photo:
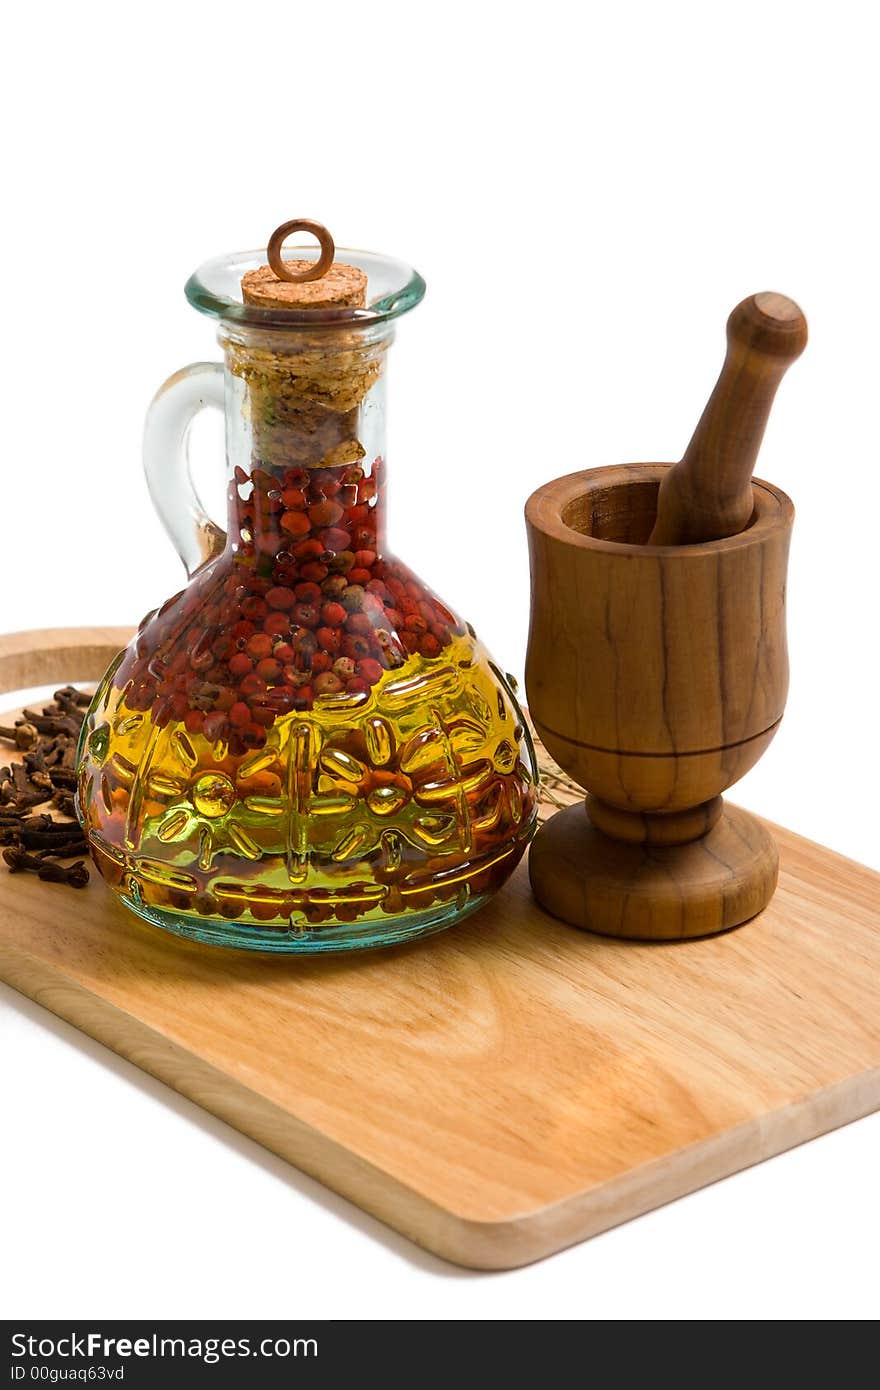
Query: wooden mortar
[{"x": 657, "y": 674}]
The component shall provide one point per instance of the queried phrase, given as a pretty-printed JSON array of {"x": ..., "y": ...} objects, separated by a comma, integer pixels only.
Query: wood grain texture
[
  {"x": 707, "y": 495},
  {"x": 656, "y": 676},
  {"x": 58, "y": 654},
  {"x": 651, "y": 653},
  {"x": 505, "y": 1088},
  {"x": 654, "y": 891}
]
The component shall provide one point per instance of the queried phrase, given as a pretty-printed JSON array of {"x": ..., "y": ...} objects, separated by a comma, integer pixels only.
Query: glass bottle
[{"x": 305, "y": 749}]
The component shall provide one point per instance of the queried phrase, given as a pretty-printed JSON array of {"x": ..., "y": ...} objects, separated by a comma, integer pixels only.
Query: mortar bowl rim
[{"x": 546, "y": 507}]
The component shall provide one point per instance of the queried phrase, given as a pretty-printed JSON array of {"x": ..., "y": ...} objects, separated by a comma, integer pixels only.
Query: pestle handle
[{"x": 708, "y": 494}]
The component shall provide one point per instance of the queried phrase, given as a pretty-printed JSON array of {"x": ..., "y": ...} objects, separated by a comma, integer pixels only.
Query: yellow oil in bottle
[{"x": 372, "y": 816}]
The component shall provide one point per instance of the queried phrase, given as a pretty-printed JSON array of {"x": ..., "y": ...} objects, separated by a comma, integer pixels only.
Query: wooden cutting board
[{"x": 505, "y": 1088}]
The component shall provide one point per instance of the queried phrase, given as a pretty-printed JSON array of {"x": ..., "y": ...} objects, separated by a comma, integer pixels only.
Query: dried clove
[
  {"x": 46, "y": 773},
  {"x": 18, "y": 860},
  {"x": 77, "y": 876},
  {"x": 65, "y": 849},
  {"x": 80, "y": 699},
  {"x": 54, "y": 723},
  {"x": 64, "y": 803},
  {"x": 45, "y": 825},
  {"x": 63, "y": 778},
  {"x": 24, "y": 735},
  {"x": 64, "y": 845}
]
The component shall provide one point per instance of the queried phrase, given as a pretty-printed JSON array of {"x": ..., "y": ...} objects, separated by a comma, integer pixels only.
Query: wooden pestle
[{"x": 708, "y": 494}]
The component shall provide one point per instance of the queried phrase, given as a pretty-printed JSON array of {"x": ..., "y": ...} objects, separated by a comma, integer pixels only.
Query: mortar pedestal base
[{"x": 654, "y": 891}]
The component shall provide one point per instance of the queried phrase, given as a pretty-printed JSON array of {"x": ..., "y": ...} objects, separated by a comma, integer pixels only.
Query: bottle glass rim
[{"x": 393, "y": 288}]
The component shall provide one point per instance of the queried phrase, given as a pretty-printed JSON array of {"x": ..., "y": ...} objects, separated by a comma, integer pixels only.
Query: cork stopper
[
  {"x": 344, "y": 286},
  {"x": 321, "y": 284}
]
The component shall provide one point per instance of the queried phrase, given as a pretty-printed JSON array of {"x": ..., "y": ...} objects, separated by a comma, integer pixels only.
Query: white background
[{"x": 588, "y": 190}]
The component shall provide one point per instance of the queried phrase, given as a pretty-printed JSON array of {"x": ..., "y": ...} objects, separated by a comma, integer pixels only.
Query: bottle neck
[{"x": 305, "y": 432}]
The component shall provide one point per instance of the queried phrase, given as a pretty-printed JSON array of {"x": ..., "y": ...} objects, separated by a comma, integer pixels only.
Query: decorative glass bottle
[{"x": 305, "y": 749}]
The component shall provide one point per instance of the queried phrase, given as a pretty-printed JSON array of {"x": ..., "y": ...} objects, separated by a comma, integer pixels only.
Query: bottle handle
[{"x": 195, "y": 537}]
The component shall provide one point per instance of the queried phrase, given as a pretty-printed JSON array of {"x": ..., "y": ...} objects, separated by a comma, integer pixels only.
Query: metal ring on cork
[{"x": 280, "y": 235}]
